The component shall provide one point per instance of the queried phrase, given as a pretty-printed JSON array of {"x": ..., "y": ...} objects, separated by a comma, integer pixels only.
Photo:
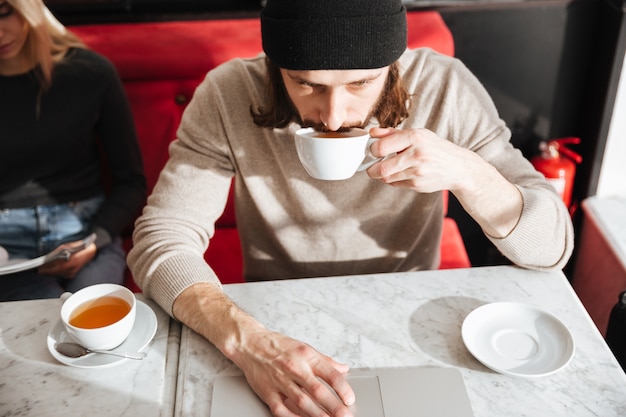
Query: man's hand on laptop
[{"x": 293, "y": 378}]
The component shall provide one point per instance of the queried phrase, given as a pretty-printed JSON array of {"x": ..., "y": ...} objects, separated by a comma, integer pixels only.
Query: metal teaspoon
[{"x": 74, "y": 350}]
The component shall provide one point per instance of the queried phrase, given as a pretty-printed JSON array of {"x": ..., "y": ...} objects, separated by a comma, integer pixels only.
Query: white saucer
[
  {"x": 140, "y": 336},
  {"x": 517, "y": 339}
]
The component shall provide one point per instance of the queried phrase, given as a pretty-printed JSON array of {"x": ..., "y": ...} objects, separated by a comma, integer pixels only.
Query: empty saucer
[{"x": 517, "y": 339}]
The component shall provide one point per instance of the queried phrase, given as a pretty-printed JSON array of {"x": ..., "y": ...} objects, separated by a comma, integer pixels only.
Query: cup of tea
[
  {"x": 334, "y": 155},
  {"x": 99, "y": 316}
]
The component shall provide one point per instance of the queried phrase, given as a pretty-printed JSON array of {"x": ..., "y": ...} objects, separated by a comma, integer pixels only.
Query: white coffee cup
[
  {"x": 333, "y": 155},
  {"x": 99, "y": 316}
]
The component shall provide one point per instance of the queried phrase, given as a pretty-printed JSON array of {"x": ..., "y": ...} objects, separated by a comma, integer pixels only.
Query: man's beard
[{"x": 320, "y": 127}]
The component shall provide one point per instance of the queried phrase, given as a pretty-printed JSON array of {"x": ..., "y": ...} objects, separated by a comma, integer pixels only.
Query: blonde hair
[{"x": 48, "y": 40}]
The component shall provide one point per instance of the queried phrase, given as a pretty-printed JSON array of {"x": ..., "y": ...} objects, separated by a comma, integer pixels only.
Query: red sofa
[{"x": 161, "y": 63}]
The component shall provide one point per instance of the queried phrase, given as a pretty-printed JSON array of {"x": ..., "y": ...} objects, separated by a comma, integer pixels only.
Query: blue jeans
[{"x": 35, "y": 231}]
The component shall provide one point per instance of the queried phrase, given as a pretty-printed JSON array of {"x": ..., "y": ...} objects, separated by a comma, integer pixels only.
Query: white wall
[{"x": 612, "y": 180}]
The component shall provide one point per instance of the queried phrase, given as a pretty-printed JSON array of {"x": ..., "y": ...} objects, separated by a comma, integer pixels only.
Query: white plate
[
  {"x": 517, "y": 339},
  {"x": 140, "y": 336}
]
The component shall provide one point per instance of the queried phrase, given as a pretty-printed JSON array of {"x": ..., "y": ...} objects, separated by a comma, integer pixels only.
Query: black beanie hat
[{"x": 333, "y": 34}]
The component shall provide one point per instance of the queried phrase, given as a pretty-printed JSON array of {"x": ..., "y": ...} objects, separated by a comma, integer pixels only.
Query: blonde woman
[{"x": 66, "y": 130}]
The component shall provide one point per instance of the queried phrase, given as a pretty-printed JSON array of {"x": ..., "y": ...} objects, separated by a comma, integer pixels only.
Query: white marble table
[
  {"x": 34, "y": 383},
  {"x": 414, "y": 319}
]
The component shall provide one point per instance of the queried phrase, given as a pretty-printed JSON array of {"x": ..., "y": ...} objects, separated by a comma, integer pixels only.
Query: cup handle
[
  {"x": 369, "y": 158},
  {"x": 65, "y": 296}
]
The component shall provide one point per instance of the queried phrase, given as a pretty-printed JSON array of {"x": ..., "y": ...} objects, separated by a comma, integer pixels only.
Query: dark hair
[{"x": 279, "y": 111}]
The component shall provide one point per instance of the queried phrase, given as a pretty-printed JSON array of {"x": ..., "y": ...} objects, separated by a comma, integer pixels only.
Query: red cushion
[
  {"x": 225, "y": 256},
  {"x": 172, "y": 50},
  {"x": 161, "y": 63},
  {"x": 428, "y": 29},
  {"x": 452, "y": 248}
]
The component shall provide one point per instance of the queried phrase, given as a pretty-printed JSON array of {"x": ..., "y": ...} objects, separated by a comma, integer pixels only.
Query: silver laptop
[{"x": 398, "y": 392}]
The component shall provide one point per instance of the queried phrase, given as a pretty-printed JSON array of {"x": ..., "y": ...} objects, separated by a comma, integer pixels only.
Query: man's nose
[{"x": 333, "y": 111}]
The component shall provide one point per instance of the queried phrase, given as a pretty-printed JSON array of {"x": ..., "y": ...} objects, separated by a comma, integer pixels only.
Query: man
[{"x": 331, "y": 65}]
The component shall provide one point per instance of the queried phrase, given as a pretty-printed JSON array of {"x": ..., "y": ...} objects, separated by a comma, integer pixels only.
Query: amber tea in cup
[
  {"x": 100, "y": 312},
  {"x": 338, "y": 135},
  {"x": 99, "y": 316}
]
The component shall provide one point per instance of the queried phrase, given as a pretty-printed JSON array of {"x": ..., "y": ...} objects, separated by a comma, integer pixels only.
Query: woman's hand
[{"x": 69, "y": 268}]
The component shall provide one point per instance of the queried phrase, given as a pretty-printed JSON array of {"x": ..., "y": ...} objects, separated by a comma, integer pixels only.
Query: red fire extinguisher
[{"x": 558, "y": 164}]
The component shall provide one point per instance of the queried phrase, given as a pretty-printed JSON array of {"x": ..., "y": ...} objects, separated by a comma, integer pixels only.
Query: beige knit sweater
[{"x": 292, "y": 225}]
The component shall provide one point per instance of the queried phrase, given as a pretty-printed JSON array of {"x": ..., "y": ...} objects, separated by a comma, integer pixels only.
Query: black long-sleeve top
[{"x": 81, "y": 142}]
